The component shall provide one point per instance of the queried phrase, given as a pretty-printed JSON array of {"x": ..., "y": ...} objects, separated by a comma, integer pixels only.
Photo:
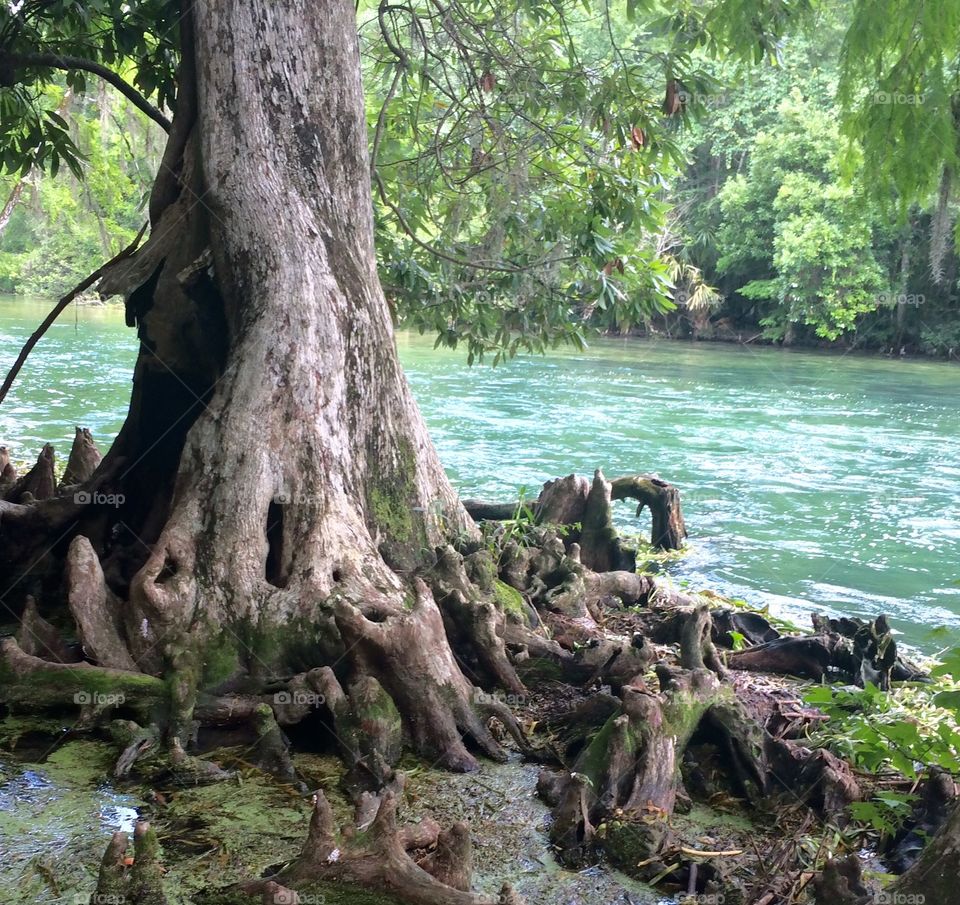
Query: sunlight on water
[{"x": 809, "y": 481}]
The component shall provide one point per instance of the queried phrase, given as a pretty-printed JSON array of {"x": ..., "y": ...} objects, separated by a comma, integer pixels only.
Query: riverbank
[{"x": 754, "y": 336}]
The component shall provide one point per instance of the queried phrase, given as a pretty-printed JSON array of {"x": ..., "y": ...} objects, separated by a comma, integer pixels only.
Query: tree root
[
  {"x": 851, "y": 651},
  {"x": 668, "y": 530},
  {"x": 368, "y": 727},
  {"x": 379, "y": 859},
  {"x": 141, "y": 883},
  {"x": 567, "y": 501},
  {"x": 408, "y": 653},
  {"x": 94, "y": 608},
  {"x": 83, "y": 461},
  {"x": 473, "y": 624},
  {"x": 37, "y": 484},
  {"x": 29, "y": 681},
  {"x": 632, "y": 765},
  {"x": 39, "y": 638}
]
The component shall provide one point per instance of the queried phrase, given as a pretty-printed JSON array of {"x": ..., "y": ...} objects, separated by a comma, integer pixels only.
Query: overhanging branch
[
  {"x": 58, "y": 309},
  {"x": 69, "y": 64}
]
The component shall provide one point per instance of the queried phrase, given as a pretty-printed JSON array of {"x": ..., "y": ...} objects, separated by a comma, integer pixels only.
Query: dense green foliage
[
  {"x": 542, "y": 169},
  {"x": 64, "y": 227},
  {"x": 806, "y": 207}
]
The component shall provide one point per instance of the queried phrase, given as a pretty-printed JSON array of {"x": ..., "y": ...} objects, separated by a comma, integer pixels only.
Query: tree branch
[
  {"x": 66, "y": 63},
  {"x": 82, "y": 286}
]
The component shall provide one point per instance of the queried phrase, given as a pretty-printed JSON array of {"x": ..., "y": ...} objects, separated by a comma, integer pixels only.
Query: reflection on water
[{"x": 809, "y": 481}]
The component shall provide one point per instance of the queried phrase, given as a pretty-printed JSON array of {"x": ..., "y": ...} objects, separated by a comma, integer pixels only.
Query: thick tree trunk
[
  {"x": 310, "y": 454},
  {"x": 274, "y": 482}
]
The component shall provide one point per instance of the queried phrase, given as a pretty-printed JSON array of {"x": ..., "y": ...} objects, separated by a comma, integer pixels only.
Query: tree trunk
[
  {"x": 274, "y": 477},
  {"x": 309, "y": 454}
]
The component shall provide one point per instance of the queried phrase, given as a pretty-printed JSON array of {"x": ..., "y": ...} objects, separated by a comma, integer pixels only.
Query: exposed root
[
  {"x": 637, "y": 746},
  {"x": 847, "y": 650},
  {"x": 39, "y": 638},
  {"x": 94, "y": 608},
  {"x": 37, "y": 484},
  {"x": 408, "y": 653},
  {"x": 83, "y": 461},
  {"x": 29, "y": 681},
  {"x": 632, "y": 766},
  {"x": 473, "y": 624},
  {"x": 379, "y": 859},
  {"x": 585, "y": 508},
  {"x": 142, "y": 882},
  {"x": 367, "y": 724},
  {"x": 668, "y": 531}
]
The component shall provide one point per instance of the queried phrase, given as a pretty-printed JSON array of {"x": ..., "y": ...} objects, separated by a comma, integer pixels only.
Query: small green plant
[{"x": 908, "y": 730}]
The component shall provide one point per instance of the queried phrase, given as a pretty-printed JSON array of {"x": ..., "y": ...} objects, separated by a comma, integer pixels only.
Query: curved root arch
[{"x": 585, "y": 509}]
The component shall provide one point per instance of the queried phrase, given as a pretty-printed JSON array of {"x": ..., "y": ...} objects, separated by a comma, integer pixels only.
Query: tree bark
[{"x": 274, "y": 483}]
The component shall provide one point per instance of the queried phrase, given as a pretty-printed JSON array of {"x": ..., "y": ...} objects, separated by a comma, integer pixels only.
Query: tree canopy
[{"x": 534, "y": 162}]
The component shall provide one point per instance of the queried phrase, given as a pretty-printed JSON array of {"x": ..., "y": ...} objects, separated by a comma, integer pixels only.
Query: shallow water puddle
[{"x": 55, "y": 820}]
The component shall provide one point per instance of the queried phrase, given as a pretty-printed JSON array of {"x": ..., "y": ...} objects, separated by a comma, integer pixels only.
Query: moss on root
[{"x": 510, "y": 601}]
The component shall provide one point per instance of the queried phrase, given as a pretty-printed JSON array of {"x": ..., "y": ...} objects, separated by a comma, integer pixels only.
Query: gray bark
[{"x": 310, "y": 454}]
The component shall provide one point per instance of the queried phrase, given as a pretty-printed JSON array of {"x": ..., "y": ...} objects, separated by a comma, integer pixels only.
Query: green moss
[
  {"x": 344, "y": 894},
  {"x": 593, "y": 762},
  {"x": 390, "y": 499},
  {"x": 13, "y": 728},
  {"x": 221, "y": 659},
  {"x": 295, "y": 645},
  {"x": 629, "y": 843},
  {"x": 510, "y": 601},
  {"x": 391, "y": 513}
]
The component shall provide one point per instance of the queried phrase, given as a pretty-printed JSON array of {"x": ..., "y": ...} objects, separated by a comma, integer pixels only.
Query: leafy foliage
[
  {"x": 909, "y": 729},
  {"x": 793, "y": 227}
]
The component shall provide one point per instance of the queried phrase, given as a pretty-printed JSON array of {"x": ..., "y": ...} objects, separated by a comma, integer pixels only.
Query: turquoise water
[{"x": 809, "y": 481}]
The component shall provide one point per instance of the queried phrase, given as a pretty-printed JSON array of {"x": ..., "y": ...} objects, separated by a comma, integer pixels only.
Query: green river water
[{"x": 809, "y": 481}]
